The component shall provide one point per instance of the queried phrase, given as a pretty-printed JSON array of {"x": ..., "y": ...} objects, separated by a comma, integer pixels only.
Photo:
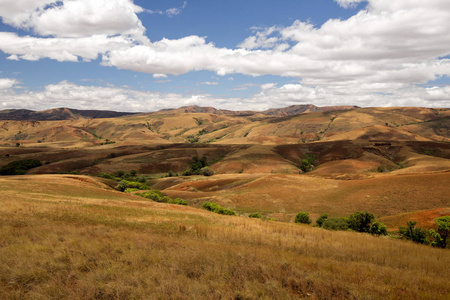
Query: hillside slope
[{"x": 84, "y": 240}]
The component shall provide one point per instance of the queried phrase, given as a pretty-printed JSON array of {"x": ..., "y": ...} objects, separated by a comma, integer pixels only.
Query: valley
[{"x": 391, "y": 162}]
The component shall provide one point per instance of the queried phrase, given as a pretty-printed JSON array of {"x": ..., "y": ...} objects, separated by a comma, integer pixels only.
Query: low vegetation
[
  {"x": 214, "y": 207},
  {"x": 255, "y": 215},
  {"x": 125, "y": 184},
  {"x": 359, "y": 221},
  {"x": 198, "y": 166},
  {"x": 97, "y": 249},
  {"x": 303, "y": 217},
  {"x": 421, "y": 236},
  {"x": 158, "y": 196},
  {"x": 20, "y": 167},
  {"x": 307, "y": 163}
]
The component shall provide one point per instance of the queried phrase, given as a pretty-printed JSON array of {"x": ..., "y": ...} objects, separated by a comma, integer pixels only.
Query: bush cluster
[
  {"x": 307, "y": 164},
  {"x": 435, "y": 238},
  {"x": 158, "y": 196},
  {"x": 255, "y": 215},
  {"x": 303, "y": 217},
  {"x": 198, "y": 167},
  {"x": 130, "y": 176},
  {"x": 359, "y": 222},
  {"x": 19, "y": 167},
  {"x": 125, "y": 184},
  {"x": 214, "y": 207}
]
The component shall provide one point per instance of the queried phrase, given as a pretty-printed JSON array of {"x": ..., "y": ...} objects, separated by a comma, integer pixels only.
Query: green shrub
[
  {"x": 214, "y": 207},
  {"x": 196, "y": 166},
  {"x": 154, "y": 195},
  {"x": 360, "y": 221},
  {"x": 106, "y": 175},
  {"x": 303, "y": 217},
  {"x": 130, "y": 190},
  {"x": 335, "y": 224},
  {"x": 178, "y": 201},
  {"x": 443, "y": 224},
  {"x": 141, "y": 179},
  {"x": 413, "y": 233},
  {"x": 19, "y": 167},
  {"x": 158, "y": 196},
  {"x": 206, "y": 171},
  {"x": 378, "y": 228},
  {"x": 307, "y": 164},
  {"x": 124, "y": 184},
  {"x": 255, "y": 215},
  {"x": 321, "y": 219}
]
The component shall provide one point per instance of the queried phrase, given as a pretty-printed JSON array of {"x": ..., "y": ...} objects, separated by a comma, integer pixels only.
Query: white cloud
[
  {"x": 176, "y": 11},
  {"x": 262, "y": 39},
  {"x": 387, "y": 48},
  {"x": 349, "y": 3},
  {"x": 169, "y": 12},
  {"x": 110, "y": 97},
  {"x": 60, "y": 49},
  {"x": 18, "y": 12},
  {"x": 13, "y": 57},
  {"x": 8, "y": 83},
  {"x": 76, "y": 18},
  {"x": 210, "y": 83}
]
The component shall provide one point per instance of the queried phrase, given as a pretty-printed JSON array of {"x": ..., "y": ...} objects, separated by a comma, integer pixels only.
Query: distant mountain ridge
[
  {"x": 64, "y": 113},
  {"x": 281, "y": 112},
  {"x": 57, "y": 114}
]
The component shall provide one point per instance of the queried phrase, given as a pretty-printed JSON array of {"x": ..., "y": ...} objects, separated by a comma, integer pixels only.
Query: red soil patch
[{"x": 424, "y": 218}]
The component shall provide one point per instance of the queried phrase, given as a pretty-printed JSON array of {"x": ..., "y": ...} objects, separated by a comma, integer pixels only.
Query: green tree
[
  {"x": 378, "y": 228},
  {"x": 335, "y": 224},
  {"x": 307, "y": 163},
  {"x": 443, "y": 224},
  {"x": 303, "y": 217},
  {"x": 19, "y": 167},
  {"x": 360, "y": 221},
  {"x": 413, "y": 233},
  {"x": 320, "y": 220}
]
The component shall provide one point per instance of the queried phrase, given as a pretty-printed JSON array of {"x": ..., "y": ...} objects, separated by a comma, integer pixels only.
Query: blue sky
[{"x": 239, "y": 55}]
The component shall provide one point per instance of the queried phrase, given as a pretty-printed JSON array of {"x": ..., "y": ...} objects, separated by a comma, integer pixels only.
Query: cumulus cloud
[
  {"x": 7, "y": 83},
  {"x": 76, "y": 18},
  {"x": 389, "y": 47},
  {"x": 110, "y": 97},
  {"x": 60, "y": 49},
  {"x": 68, "y": 94}
]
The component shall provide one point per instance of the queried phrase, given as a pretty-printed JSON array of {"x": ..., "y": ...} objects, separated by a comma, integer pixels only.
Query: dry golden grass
[
  {"x": 69, "y": 237},
  {"x": 283, "y": 196}
]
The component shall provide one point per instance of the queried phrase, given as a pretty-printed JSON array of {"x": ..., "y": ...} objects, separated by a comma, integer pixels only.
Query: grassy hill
[
  {"x": 66, "y": 236},
  {"x": 83, "y": 239}
]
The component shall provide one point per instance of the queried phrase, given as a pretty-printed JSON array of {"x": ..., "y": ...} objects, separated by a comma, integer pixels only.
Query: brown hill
[{"x": 57, "y": 114}]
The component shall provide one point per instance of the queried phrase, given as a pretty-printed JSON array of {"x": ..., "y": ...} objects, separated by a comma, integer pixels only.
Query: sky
[{"x": 142, "y": 56}]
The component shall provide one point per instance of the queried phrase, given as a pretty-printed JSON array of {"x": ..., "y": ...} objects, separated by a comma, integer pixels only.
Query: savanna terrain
[{"x": 67, "y": 233}]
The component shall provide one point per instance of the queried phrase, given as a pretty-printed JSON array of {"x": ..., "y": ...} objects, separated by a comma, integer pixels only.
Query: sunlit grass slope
[{"x": 72, "y": 237}]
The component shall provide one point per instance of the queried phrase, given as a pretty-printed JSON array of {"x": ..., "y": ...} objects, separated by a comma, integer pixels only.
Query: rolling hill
[{"x": 75, "y": 229}]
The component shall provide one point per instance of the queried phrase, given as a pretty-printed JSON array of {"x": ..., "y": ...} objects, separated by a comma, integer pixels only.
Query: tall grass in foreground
[{"x": 71, "y": 250}]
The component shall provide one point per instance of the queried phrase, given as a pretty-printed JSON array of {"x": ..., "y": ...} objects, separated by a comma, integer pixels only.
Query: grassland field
[{"x": 66, "y": 233}]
